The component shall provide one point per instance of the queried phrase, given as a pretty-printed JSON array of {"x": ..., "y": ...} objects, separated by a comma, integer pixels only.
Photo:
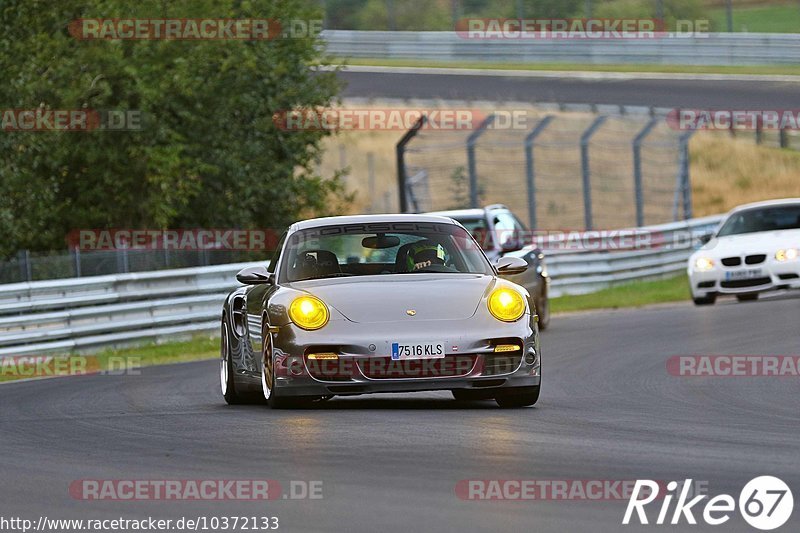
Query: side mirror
[
  {"x": 706, "y": 238},
  {"x": 255, "y": 275},
  {"x": 511, "y": 265}
]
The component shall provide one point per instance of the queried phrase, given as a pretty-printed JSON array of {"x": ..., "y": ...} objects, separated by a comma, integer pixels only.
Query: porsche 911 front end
[{"x": 388, "y": 303}]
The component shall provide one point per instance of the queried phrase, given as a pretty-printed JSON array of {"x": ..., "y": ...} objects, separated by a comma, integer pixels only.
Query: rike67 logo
[{"x": 765, "y": 503}]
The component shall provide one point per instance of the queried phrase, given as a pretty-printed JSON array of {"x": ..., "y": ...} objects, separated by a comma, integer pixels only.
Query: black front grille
[
  {"x": 732, "y": 261},
  {"x": 742, "y": 283},
  {"x": 755, "y": 259},
  {"x": 706, "y": 284},
  {"x": 789, "y": 276}
]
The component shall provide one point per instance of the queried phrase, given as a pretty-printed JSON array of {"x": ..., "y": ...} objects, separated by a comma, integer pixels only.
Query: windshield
[
  {"x": 381, "y": 248},
  {"x": 478, "y": 229},
  {"x": 762, "y": 219}
]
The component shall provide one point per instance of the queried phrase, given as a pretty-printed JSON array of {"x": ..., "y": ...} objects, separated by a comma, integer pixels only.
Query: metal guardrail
[
  {"x": 585, "y": 271},
  {"x": 84, "y": 314},
  {"x": 706, "y": 49}
]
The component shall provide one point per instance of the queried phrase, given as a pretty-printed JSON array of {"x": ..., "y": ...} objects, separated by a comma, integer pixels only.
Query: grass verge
[
  {"x": 635, "y": 294},
  {"x": 582, "y": 67},
  {"x": 112, "y": 361},
  {"x": 760, "y": 19}
]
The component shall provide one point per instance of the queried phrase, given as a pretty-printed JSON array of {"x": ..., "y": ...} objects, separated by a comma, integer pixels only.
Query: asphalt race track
[
  {"x": 609, "y": 411},
  {"x": 677, "y": 92}
]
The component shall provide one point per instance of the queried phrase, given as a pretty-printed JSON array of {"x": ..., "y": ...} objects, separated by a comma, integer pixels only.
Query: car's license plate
[
  {"x": 749, "y": 273},
  {"x": 417, "y": 350}
]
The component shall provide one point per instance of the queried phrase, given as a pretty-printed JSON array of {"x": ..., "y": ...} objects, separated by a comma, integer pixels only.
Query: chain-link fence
[{"x": 568, "y": 170}]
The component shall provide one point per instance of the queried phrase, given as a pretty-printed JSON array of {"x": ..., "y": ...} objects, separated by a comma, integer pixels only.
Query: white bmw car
[{"x": 755, "y": 249}]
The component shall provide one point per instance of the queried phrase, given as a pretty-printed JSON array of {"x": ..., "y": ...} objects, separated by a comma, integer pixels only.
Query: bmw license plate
[
  {"x": 417, "y": 350},
  {"x": 749, "y": 273}
]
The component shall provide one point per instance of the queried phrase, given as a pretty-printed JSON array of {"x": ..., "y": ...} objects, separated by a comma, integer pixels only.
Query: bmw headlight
[
  {"x": 703, "y": 264},
  {"x": 308, "y": 312},
  {"x": 789, "y": 254},
  {"x": 506, "y": 304}
]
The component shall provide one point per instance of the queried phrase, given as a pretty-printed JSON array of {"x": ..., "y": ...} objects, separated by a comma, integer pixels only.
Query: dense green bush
[{"x": 208, "y": 154}]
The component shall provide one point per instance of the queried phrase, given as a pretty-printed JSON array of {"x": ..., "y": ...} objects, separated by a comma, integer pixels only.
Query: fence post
[
  {"x": 759, "y": 130},
  {"x": 685, "y": 178},
  {"x": 587, "y": 180},
  {"x": 400, "y": 151},
  {"x": 530, "y": 169},
  {"x": 371, "y": 181},
  {"x": 472, "y": 165},
  {"x": 784, "y": 138},
  {"x": 24, "y": 259},
  {"x": 77, "y": 256},
  {"x": 637, "y": 169}
]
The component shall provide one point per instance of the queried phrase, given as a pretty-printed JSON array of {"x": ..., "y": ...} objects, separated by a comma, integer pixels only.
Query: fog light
[
  {"x": 506, "y": 348},
  {"x": 326, "y": 356},
  {"x": 530, "y": 357}
]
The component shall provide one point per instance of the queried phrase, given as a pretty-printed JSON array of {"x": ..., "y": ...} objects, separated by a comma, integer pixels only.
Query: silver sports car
[{"x": 379, "y": 303}]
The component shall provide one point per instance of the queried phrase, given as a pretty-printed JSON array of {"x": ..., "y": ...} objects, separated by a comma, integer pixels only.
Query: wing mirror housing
[
  {"x": 255, "y": 275},
  {"x": 511, "y": 265},
  {"x": 705, "y": 238}
]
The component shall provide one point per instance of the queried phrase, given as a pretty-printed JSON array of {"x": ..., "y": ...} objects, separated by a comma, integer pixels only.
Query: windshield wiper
[{"x": 334, "y": 275}]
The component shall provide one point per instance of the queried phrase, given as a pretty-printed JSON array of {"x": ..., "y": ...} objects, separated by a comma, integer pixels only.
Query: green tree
[{"x": 208, "y": 153}]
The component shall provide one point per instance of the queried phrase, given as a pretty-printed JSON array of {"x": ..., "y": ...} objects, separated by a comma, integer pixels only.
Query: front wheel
[
  {"x": 274, "y": 400},
  {"x": 518, "y": 397},
  {"x": 706, "y": 300},
  {"x": 543, "y": 310},
  {"x": 226, "y": 381}
]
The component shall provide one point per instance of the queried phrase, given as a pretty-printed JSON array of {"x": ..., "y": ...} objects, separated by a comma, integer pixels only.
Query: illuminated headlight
[
  {"x": 789, "y": 254},
  {"x": 308, "y": 312},
  {"x": 506, "y": 304},
  {"x": 703, "y": 264}
]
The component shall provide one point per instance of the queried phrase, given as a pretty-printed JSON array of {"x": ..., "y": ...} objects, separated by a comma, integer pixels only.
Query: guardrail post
[
  {"x": 400, "y": 151},
  {"x": 587, "y": 181},
  {"x": 637, "y": 169},
  {"x": 471, "y": 164},
  {"x": 530, "y": 171}
]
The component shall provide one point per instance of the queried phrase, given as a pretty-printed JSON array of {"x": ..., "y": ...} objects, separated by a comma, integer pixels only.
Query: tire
[
  {"x": 471, "y": 395},
  {"x": 752, "y": 297},
  {"x": 518, "y": 397},
  {"x": 226, "y": 381},
  {"x": 268, "y": 378},
  {"x": 543, "y": 310},
  {"x": 707, "y": 300}
]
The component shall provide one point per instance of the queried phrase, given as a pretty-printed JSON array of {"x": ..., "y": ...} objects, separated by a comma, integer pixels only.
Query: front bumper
[
  {"x": 364, "y": 364},
  {"x": 770, "y": 275}
]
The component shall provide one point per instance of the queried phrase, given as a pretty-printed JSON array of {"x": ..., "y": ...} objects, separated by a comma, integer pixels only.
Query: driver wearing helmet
[{"x": 424, "y": 254}]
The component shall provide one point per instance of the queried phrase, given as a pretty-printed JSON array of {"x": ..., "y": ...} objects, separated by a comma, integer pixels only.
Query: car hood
[
  {"x": 389, "y": 297},
  {"x": 766, "y": 242}
]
